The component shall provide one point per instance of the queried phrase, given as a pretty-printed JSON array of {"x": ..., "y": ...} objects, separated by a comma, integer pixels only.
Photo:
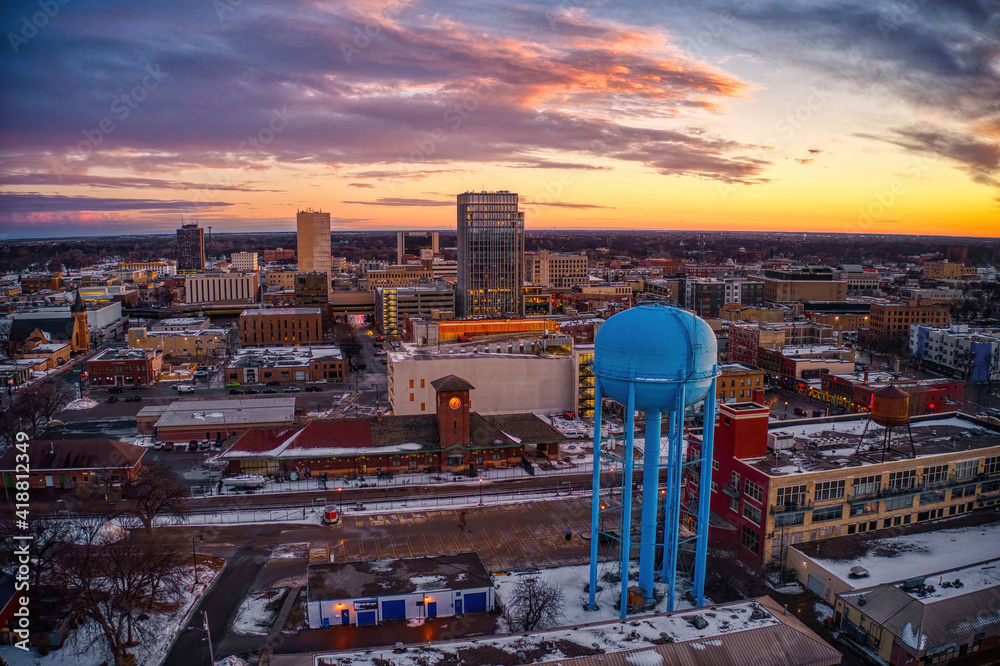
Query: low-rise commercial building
[
  {"x": 218, "y": 419},
  {"x": 555, "y": 270},
  {"x": 221, "y": 288},
  {"x": 368, "y": 593},
  {"x": 281, "y": 326},
  {"x": 244, "y": 262},
  {"x": 287, "y": 365},
  {"x": 395, "y": 304},
  {"x": 889, "y": 323},
  {"x": 125, "y": 367},
  {"x": 183, "y": 345},
  {"x": 739, "y": 383},
  {"x": 968, "y": 353},
  {"x": 814, "y": 283},
  {"x": 71, "y": 463}
]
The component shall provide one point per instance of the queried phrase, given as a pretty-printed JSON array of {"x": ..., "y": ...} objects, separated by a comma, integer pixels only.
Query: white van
[{"x": 185, "y": 388}]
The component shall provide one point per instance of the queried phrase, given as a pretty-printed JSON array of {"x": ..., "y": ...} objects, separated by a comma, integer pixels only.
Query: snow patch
[
  {"x": 82, "y": 403},
  {"x": 645, "y": 658},
  {"x": 253, "y": 616}
]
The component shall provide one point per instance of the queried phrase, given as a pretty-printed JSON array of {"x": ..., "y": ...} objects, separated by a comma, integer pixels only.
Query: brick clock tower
[
  {"x": 453, "y": 407},
  {"x": 81, "y": 328}
]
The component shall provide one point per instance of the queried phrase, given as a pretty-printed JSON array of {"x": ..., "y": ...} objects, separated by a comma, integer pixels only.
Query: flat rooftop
[
  {"x": 291, "y": 357},
  {"x": 389, "y": 577},
  {"x": 122, "y": 355},
  {"x": 831, "y": 443},
  {"x": 228, "y": 411},
  {"x": 278, "y": 312}
]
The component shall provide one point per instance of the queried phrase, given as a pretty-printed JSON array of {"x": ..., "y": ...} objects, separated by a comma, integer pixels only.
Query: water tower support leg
[
  {"x": 650, "y": 496},
  {"x": 672, "y": 517},
  {"x": 704, "y": 497},
  {"x": 595, "y": 498},
  {"x": 626, "y": 526}
]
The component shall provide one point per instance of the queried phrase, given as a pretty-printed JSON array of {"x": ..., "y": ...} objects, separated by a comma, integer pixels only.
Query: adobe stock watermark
[
  {"x": 30, "y": 25},
  {"x": 363, "y": 36},
  {"x": 453, "y": 118},
  {"x": 899, "y": 14},
  {"x": 887, "y": 197},
  {"x": 121, "y": 107}
]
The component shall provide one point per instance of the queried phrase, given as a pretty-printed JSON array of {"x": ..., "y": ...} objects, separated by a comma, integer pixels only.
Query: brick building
[
  {"x": 785, "y": 483},
  {"x": 889, "y": 323},
  {"x": 125, "y": 367},
  {"x": 281, "y": 326}
]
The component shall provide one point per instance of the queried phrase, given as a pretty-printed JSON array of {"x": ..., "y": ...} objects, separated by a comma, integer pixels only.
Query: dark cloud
[
  {"x": 401, "y": 201},
  {"x": 11, "y": 203},
  {"x": 116, "y": 182},
  {"x": 981, "y": 158},
  {"x": 291, "y": 84},
  {"x": 360, "y": 185},
  {"x": 564, "y": 204}
]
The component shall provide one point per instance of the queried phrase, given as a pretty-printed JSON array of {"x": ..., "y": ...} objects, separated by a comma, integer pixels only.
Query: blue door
[
  {"x": 367, "y": 618},
  {"x": 432, "y": 609},
  {"x": 394, "y": 610},
  {"x": 475, "y": 602},
  {"x": 458, "y": 606},
  {"x": 345, "y": 616},
  {"x": 326, "y": 623}
]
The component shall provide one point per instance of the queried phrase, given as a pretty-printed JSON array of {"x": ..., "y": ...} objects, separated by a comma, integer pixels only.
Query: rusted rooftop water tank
[{"x": 890, "y": 406}]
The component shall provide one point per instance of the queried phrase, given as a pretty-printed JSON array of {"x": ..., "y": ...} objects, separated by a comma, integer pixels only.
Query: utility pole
[{"x": 208, "y": 634}]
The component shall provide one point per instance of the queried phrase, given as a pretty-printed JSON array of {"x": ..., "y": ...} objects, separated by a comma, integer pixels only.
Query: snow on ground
[
  {"x": 917, "y": 554},
  {"x": 611, "y": 635},
  {"x": 82, "y": 403},
  {"x": 289, "y": 551},
  {"x": 257, "y": 612},
  {"x": 231, "y": 661},
  {"x": 572, "y": 581},
  {"x": 822, "y": 611},
  {"x": 163, "y": 626}
]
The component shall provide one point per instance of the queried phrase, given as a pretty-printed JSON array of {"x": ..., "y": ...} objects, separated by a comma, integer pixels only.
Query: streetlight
[
  {"x": 480, "y": 491},
  {"x": 208, "y": 635},
  {"x": 786, "y": 409},
  {"x": 340, "y": 494}
]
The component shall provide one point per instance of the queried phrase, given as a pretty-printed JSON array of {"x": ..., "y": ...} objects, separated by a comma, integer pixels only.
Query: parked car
[
  {"x": 291, "y": 389},
  {"x": 320, "y": 381},
  {"x": 168, "y": 446},
  {"x": 134, "y": 387},
  {"x": 312, "y": 389},
  {"x": 235, "y": 392},
  {"x": 157, "y": 446},
  {"x": 116, "y": 389},
  {"x": 113, "y": 398},
  {"x": 800, "y": 412},
  {"x": 270, "y": 390},
  {"x": 273, "y": 382},
  {"x": 201, "y": 373},
  {"x": 251, "y": 391},
  {"x": 233, "y": 385},
  {"x": 185, "y": 388}
]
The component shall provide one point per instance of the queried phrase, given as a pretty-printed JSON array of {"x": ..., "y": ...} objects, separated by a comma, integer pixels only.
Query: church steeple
[{"x": 78, "y": 305}]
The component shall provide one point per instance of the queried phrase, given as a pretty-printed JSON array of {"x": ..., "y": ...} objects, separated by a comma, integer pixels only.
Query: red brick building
[
  {"x": 125, "y": 367},
  {"x": 68, "y": 463}
]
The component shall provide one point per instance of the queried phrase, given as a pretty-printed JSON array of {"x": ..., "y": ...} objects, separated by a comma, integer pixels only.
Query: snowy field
[
  {"x": 919, "y": 554},
  {"x": 163, "y": 627},
  {"x": 258, "y": 612}
]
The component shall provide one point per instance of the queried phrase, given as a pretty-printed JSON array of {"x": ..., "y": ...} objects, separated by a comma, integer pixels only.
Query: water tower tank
[
  {"x": 890, "y": 406},
  {"x": 661, "y": 349}
]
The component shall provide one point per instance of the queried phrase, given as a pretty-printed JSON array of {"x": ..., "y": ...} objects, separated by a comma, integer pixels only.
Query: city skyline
[{"x": 743, "y": 116}]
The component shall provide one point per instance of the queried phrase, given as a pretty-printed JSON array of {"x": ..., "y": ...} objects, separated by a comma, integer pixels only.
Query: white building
[
  {"x": 244, "y": 262},
  {"x": 510, "y": 377},
  {"x": 555, "y": 270},
  {"x": 367, "y": 593},
  {"x": 969, "y": 354},
  {"x": 215, "y": 287}
]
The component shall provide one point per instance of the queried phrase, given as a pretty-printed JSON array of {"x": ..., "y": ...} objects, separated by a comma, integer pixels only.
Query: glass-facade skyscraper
[{"x": 490, "y": 255}]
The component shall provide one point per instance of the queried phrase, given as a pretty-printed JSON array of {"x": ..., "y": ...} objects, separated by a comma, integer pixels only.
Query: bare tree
[
  {"x": 114, "y": 579},
  {"x": 532, "y": 604},
  {"x": 154, "y": 492},
  {"x": 49, "y": 397}
]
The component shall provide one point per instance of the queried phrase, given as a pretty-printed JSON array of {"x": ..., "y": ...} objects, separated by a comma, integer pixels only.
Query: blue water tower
[{"x": 660, "y": 360}]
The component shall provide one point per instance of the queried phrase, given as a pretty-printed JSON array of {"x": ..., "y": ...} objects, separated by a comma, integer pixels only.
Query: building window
[
  {"x": 753, "y": 491},
  {"x": 790, "y": 518},
  {"x": 862, "y": 508},
  {"x": 715, "y": 464},
  {"x": 828, "y": 490},
  {"x": 751, "y": 513},
  {"x": 992, "y": 465},
  {"x": 828, "y": 513},
  {"x": 411, "y": 383},
  {"x": 750, "y": 539},
  {"x": 734, "y": 481},
  {"x": 932, "y": 496},
  {"x": 411, "y": 397},
  {"x": 867, "y": 485},
  {"x": 899, "y": 503},
  {"x": 791, "y": 496},
  {"x": 966, "y": 469},
  {"x": 902, "y": 480},
  {"x": 937, "y": 474},
  {"x": 963, "y": 491},
  {"x": 734, "y": 504},
  {"x": 715, "y": 487}
]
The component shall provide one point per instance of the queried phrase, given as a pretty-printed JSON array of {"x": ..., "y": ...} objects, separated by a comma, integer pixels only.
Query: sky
[{"x": 843, "y": 116}]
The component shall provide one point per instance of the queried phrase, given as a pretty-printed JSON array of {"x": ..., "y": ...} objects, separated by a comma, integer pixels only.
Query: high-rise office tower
[
  {"x": 312, "y": 233},
  {"x": 190, "y": 248},
  {"x": 490, "y": 255}
]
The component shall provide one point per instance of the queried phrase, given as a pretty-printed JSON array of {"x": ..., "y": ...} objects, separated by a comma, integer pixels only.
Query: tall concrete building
[
  {"x": 312, "y": 233},
  {"x": 490, "y": 255},
  {"x": 190, "y": 248}
]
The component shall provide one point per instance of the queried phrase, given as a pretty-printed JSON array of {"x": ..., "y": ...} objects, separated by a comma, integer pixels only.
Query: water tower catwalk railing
[{"x": 651, "y": 493}]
